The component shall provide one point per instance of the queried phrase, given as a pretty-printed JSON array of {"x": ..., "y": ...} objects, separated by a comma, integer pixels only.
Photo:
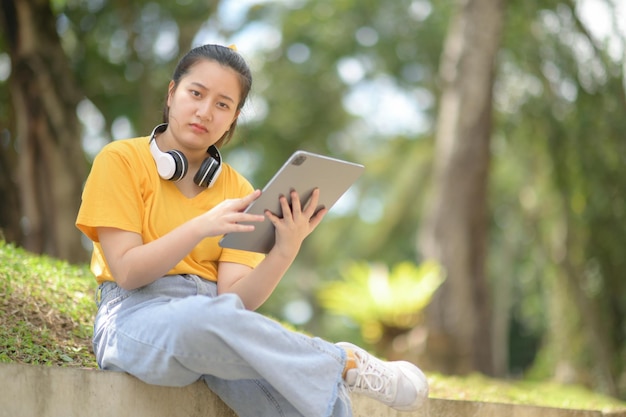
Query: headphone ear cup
[
  {"x": 171, "y": 165},
  {"x": 208, "y": 172},
  {"x": 180, "y": 165}
]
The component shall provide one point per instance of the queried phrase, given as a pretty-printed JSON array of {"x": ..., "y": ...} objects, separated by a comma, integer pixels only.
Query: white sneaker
[{"x": 400, "y": 385}]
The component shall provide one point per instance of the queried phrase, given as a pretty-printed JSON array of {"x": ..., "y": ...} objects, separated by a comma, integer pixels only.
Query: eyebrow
[{"x": 202, "y": 86}]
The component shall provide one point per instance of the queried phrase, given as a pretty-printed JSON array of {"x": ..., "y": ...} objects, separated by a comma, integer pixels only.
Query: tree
[
  {"x": 123, "y": 55},
  {"x": 42, "y": 157},
  {"x": 564, "y": 123},
  {"x": 51, "y": 165},
  {"x": 454, "y": 231}
]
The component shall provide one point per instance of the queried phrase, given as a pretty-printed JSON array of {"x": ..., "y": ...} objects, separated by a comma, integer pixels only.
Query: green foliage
[
  {"x": 558, "y": 178},
  {"x": 123, "y": 54},
  {"x": 46, "y": 310},
  {"x": 373, "y": 296}
]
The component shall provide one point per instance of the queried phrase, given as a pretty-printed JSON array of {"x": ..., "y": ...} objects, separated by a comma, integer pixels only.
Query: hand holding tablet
[{"x": 303, "y": 172}]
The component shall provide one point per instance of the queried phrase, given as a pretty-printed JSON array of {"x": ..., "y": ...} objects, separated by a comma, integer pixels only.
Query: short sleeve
[{"x": 112, "y": 196}]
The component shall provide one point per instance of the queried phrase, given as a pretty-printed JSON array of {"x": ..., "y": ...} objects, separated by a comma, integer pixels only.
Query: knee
[{"x": 201, "y": 314}]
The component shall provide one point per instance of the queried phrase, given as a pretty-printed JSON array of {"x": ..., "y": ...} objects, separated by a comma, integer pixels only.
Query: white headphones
[{"x": 173, "y": 166}]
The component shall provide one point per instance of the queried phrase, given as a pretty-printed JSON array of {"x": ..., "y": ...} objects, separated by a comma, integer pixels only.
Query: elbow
[
  {"x": 247, "y": 304},
  {"x": 125, "y": 282}
]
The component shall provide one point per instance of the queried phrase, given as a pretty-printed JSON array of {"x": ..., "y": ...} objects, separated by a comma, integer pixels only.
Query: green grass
[
  {"x": 46, "y": 317},
  {"x": 477, "y": 387},
  {"x": 46, "y": 310}
]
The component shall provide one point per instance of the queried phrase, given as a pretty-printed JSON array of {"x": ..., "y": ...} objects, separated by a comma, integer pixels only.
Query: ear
[{"x": 170, "y": 92}]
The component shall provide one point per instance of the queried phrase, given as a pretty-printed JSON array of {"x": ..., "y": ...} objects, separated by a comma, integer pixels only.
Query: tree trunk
[
  {"x": 455, "y": 227},
  {"x": 597, "y": 333},
  {"x": 9, "y": 195},
  {"x": 51, "y": 166}
]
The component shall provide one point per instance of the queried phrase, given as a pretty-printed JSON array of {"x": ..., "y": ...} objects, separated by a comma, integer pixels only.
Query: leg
[
  {"x": 167, "y": 340},
  {"x": 258, "y": 398}
]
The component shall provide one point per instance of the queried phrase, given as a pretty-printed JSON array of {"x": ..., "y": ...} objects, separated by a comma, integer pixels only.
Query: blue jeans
[{"x": 178, "y": 330}]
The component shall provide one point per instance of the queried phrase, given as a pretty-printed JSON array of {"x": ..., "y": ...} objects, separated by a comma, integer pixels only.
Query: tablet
[{"x": 303, "y": 172}]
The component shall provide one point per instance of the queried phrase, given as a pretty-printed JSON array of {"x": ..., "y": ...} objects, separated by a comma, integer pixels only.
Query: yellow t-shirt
[{"x": 124, "y": 191}]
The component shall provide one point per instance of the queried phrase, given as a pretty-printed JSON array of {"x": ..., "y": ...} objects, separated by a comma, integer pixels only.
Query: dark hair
[{"x": 225, "y": 56}]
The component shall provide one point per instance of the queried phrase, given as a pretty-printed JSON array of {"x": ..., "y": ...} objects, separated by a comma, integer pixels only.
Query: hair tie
[{"x": 233, "y": 47}]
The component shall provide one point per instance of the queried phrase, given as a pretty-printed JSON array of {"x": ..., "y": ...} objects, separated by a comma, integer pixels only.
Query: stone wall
[{"x": 37, "y": 391}]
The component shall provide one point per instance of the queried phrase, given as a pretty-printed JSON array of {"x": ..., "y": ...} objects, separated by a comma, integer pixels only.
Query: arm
[
  {"x": 254, "y": 286},
  {"x": 135, "y": 264}
]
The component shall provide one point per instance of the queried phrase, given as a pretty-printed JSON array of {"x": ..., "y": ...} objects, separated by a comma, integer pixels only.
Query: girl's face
[{"x": 203, "y": 105}]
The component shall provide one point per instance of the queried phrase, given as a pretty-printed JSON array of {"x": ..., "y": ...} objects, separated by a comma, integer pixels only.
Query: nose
[{"x": 204, "y": 111}]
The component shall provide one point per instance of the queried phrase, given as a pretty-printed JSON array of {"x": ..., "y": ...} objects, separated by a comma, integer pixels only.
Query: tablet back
[{"x": 303, "y": 172}]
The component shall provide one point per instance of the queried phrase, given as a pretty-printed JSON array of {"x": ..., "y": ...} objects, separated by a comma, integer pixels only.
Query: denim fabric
[{"x": 178, "y": 330}]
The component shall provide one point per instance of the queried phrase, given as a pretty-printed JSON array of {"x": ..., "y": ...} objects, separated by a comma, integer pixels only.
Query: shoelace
[{"x": 373, "y": 377}]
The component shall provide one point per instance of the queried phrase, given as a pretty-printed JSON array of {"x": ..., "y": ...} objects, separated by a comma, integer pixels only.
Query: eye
[
  {"x": 223, "y": 105},
  {"x": 195, "y": 93}
]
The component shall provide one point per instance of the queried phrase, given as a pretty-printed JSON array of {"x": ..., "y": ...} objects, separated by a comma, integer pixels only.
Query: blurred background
[{"x": 487, "y": 233}]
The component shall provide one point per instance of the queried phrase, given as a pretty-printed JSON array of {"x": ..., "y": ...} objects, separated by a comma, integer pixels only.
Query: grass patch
[
  {"x": 46, "y": 310},
  {"x": 477, "y": 387},
  {"x": 46, "y": 318}
]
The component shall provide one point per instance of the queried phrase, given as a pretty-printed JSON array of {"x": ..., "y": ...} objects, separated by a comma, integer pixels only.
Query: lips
[{"x": 198, "y": 128}]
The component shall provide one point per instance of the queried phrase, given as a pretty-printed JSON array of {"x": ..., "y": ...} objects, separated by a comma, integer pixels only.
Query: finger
[
  {"x": 241, "y": 222},
  {"x": 284, "y": 205},
  {"x": 250, "y": 197},
  {"x": 274, "y": 219},
  {"x": 245, "y": 217},
  {"x": 240, "y": 204},
  {"x": 296, "y": 206},
  {"x": 240, "y": 228},
  {"x": 311, "y": 203},
  {"x": 317, "y": 218}
]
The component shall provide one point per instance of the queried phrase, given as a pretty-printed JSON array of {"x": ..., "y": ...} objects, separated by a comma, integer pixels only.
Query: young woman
[{"x": 175, "y": 307}]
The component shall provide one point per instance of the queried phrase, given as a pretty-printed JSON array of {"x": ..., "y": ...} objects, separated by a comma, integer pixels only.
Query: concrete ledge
[{"x": 36, "y": 391}]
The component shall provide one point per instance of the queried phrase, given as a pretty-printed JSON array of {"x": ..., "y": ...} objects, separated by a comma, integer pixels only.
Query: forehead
[{"x": 213, "y": 75}]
